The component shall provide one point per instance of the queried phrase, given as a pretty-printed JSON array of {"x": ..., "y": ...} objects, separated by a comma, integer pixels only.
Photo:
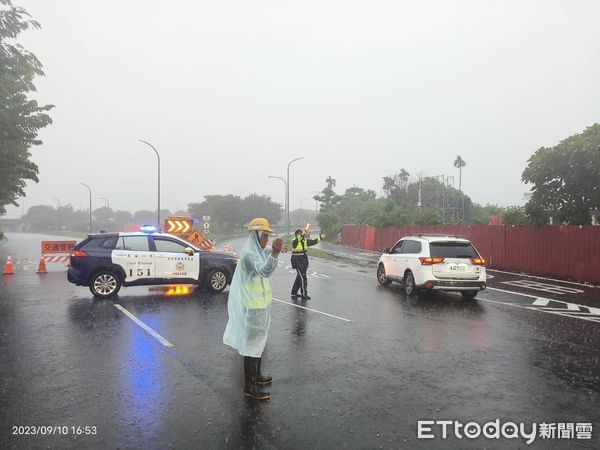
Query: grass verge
[{"x": 324, "y": 255}]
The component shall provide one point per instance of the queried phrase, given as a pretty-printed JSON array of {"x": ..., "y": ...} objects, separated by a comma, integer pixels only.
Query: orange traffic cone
[
  {"x": 8, "y": 268},
  {"x": 42, "y": 266}
]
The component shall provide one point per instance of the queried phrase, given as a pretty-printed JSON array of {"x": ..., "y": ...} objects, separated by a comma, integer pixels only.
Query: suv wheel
[
  {"x": 383, "y": 280},
  {"x": 469, "y": 295},
  {"x": 105, "y": 284},
  {"x": 410, "y": 289},
  {"x": 217, "y": 280}
]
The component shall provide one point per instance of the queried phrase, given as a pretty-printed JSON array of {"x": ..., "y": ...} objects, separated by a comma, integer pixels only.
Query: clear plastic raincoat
[{"x": 250, "y": 297}]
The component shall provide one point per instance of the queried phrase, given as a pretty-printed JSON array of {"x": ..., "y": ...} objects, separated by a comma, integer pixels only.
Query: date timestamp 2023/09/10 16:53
[{"x": 50, "y": 430}]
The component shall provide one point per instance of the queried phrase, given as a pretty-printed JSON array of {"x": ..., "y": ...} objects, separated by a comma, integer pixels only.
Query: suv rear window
[{"x": 452, "y": 249}]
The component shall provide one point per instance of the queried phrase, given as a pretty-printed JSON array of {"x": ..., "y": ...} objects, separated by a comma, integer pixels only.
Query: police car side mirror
[{"x": 189, "y": 251}]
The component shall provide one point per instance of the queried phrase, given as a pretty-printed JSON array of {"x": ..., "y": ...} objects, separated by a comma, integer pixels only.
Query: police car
[{"x": 107, "y": 261}]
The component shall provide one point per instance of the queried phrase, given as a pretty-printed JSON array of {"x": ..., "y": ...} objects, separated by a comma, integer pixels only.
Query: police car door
[
  {"x": 172, "y": 263},
  {"x": 133, "y": 254}
]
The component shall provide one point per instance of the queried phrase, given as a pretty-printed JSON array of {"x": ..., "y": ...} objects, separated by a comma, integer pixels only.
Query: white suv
[{"x": 433, "y": 263}]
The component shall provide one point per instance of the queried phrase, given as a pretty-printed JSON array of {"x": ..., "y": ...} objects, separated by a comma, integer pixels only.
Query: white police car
[{"x": 107, "y": 261}]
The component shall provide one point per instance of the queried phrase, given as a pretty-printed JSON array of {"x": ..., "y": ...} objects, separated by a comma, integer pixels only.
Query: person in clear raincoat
[{"x": 249, "y": 304}]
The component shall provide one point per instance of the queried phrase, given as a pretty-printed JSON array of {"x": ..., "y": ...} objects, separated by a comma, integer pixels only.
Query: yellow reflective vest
[{"x": 260, "y": 293}]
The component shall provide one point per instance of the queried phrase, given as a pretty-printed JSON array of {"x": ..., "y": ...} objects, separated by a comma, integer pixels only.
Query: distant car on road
[
  {"x": 430, "y": 263},
  {"x": 107, "y": 261}
]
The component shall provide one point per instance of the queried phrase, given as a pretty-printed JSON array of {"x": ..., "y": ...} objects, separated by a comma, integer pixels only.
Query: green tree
[
  {"x": 41, "y": 218},
  {"x": 20, "y": 117},
  {"x": 328, "y": 197},
  {"x": 566, "y": 179},
  {"x": 481, "y": 214},
  {"x": 299, "y": 216},
  {"x": 121, "y": 218},
  {"x": 429, "y": 217},
  {"x": 395, "y": 187},
  {"x": 330, "y": 222},
  {"x": 515, "y": 215},
  {"x": 144, "y": 217},
  {"x": 459, "y": 163},
  {"x": 226, "y": 212},
  {"x": 255, "y": 205}
]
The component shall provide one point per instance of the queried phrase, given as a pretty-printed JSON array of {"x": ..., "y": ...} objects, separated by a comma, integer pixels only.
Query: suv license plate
[{"x": 456, "y": 267}]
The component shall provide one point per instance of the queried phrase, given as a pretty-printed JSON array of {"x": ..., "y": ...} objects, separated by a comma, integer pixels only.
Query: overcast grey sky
[{"x": 230, "y": 91}]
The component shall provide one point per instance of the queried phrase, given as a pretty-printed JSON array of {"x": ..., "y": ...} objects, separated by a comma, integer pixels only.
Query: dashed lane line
[
  {"x": 310, "y": 309},
  {"x": 145, "y": 327}
]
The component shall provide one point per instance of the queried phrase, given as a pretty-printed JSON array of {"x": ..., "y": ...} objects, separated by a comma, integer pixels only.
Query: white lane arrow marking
[{"x": 541, "y": 302}]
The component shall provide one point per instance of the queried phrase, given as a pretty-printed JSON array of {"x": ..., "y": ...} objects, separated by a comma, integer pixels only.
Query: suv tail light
[
  {"x": 478, "y": 261},
  {"x": 428, "y": 261},
  {"x": 78, "y": 253}
]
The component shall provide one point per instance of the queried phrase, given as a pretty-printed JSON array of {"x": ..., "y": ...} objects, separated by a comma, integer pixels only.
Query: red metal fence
[{"x": 566, "y": 251}]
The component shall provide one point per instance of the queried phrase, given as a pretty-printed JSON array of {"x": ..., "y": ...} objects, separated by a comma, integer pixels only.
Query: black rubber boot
[
  {"x": 250, "y": 388},
  {"x": 260, "y": 379}
]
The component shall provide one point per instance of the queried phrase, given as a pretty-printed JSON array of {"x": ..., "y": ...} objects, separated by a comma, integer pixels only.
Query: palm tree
[{"x": 459, "y": 163}]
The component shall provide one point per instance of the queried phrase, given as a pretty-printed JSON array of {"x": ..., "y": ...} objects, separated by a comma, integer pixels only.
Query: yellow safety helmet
[{"x": 260, "y": 224}]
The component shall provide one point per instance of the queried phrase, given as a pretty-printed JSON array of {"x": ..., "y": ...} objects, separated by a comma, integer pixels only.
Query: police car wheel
[
  {"x": 105, "y": 284},
  {"x": 217, "y": 280}
]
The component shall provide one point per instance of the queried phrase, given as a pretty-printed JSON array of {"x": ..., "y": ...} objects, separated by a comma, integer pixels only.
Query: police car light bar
[{"x": 148, "y": 229}]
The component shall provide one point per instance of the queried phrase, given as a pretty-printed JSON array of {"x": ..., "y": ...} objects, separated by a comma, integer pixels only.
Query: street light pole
[
  {"x": 58, "y": 210},
  {"x": 287, "y": 197},
  {"x": 107, "y": 211},
  {"x": 285, "y": 194},
  {"x": 158, "y": 156},
  {"x": 89, "y": 189}
]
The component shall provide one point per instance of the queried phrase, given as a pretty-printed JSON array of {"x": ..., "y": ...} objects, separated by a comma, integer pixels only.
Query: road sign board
[
  {"x": 205, "y": 218},
  {"x": 178, "y": 225},
  {"x": 57, "y": 247},
  {"x": 206, "y": 225}
]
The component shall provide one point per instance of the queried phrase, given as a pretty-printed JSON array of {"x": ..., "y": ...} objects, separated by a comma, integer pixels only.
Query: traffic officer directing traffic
[{"x": 300, "y": 262}]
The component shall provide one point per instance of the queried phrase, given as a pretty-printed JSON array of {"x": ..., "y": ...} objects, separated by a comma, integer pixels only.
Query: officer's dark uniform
[{"x": 300, "y": 262}]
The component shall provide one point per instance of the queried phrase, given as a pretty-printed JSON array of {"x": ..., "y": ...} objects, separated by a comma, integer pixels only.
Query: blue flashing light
[{"x": 148, "y": 229}]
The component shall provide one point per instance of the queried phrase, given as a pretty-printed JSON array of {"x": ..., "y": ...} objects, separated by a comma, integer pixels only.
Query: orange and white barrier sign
[
  {"x": 50, "y": 259},
  {"x": 51, "y": 247}
]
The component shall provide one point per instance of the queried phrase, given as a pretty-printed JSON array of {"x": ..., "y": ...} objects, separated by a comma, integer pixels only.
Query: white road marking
[
  {"x": 543, "y": 278},
  {"x": 145, "y": 327},
  {"x": 541, "y": 302},
  {"x": 310, "y": 309},
  {"x": 589, "y": 319},
  {"x": 536, "y": 285}
]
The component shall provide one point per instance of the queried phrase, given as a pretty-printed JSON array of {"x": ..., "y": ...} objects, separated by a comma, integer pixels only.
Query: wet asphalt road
[{"x": 360, "y": 377}]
